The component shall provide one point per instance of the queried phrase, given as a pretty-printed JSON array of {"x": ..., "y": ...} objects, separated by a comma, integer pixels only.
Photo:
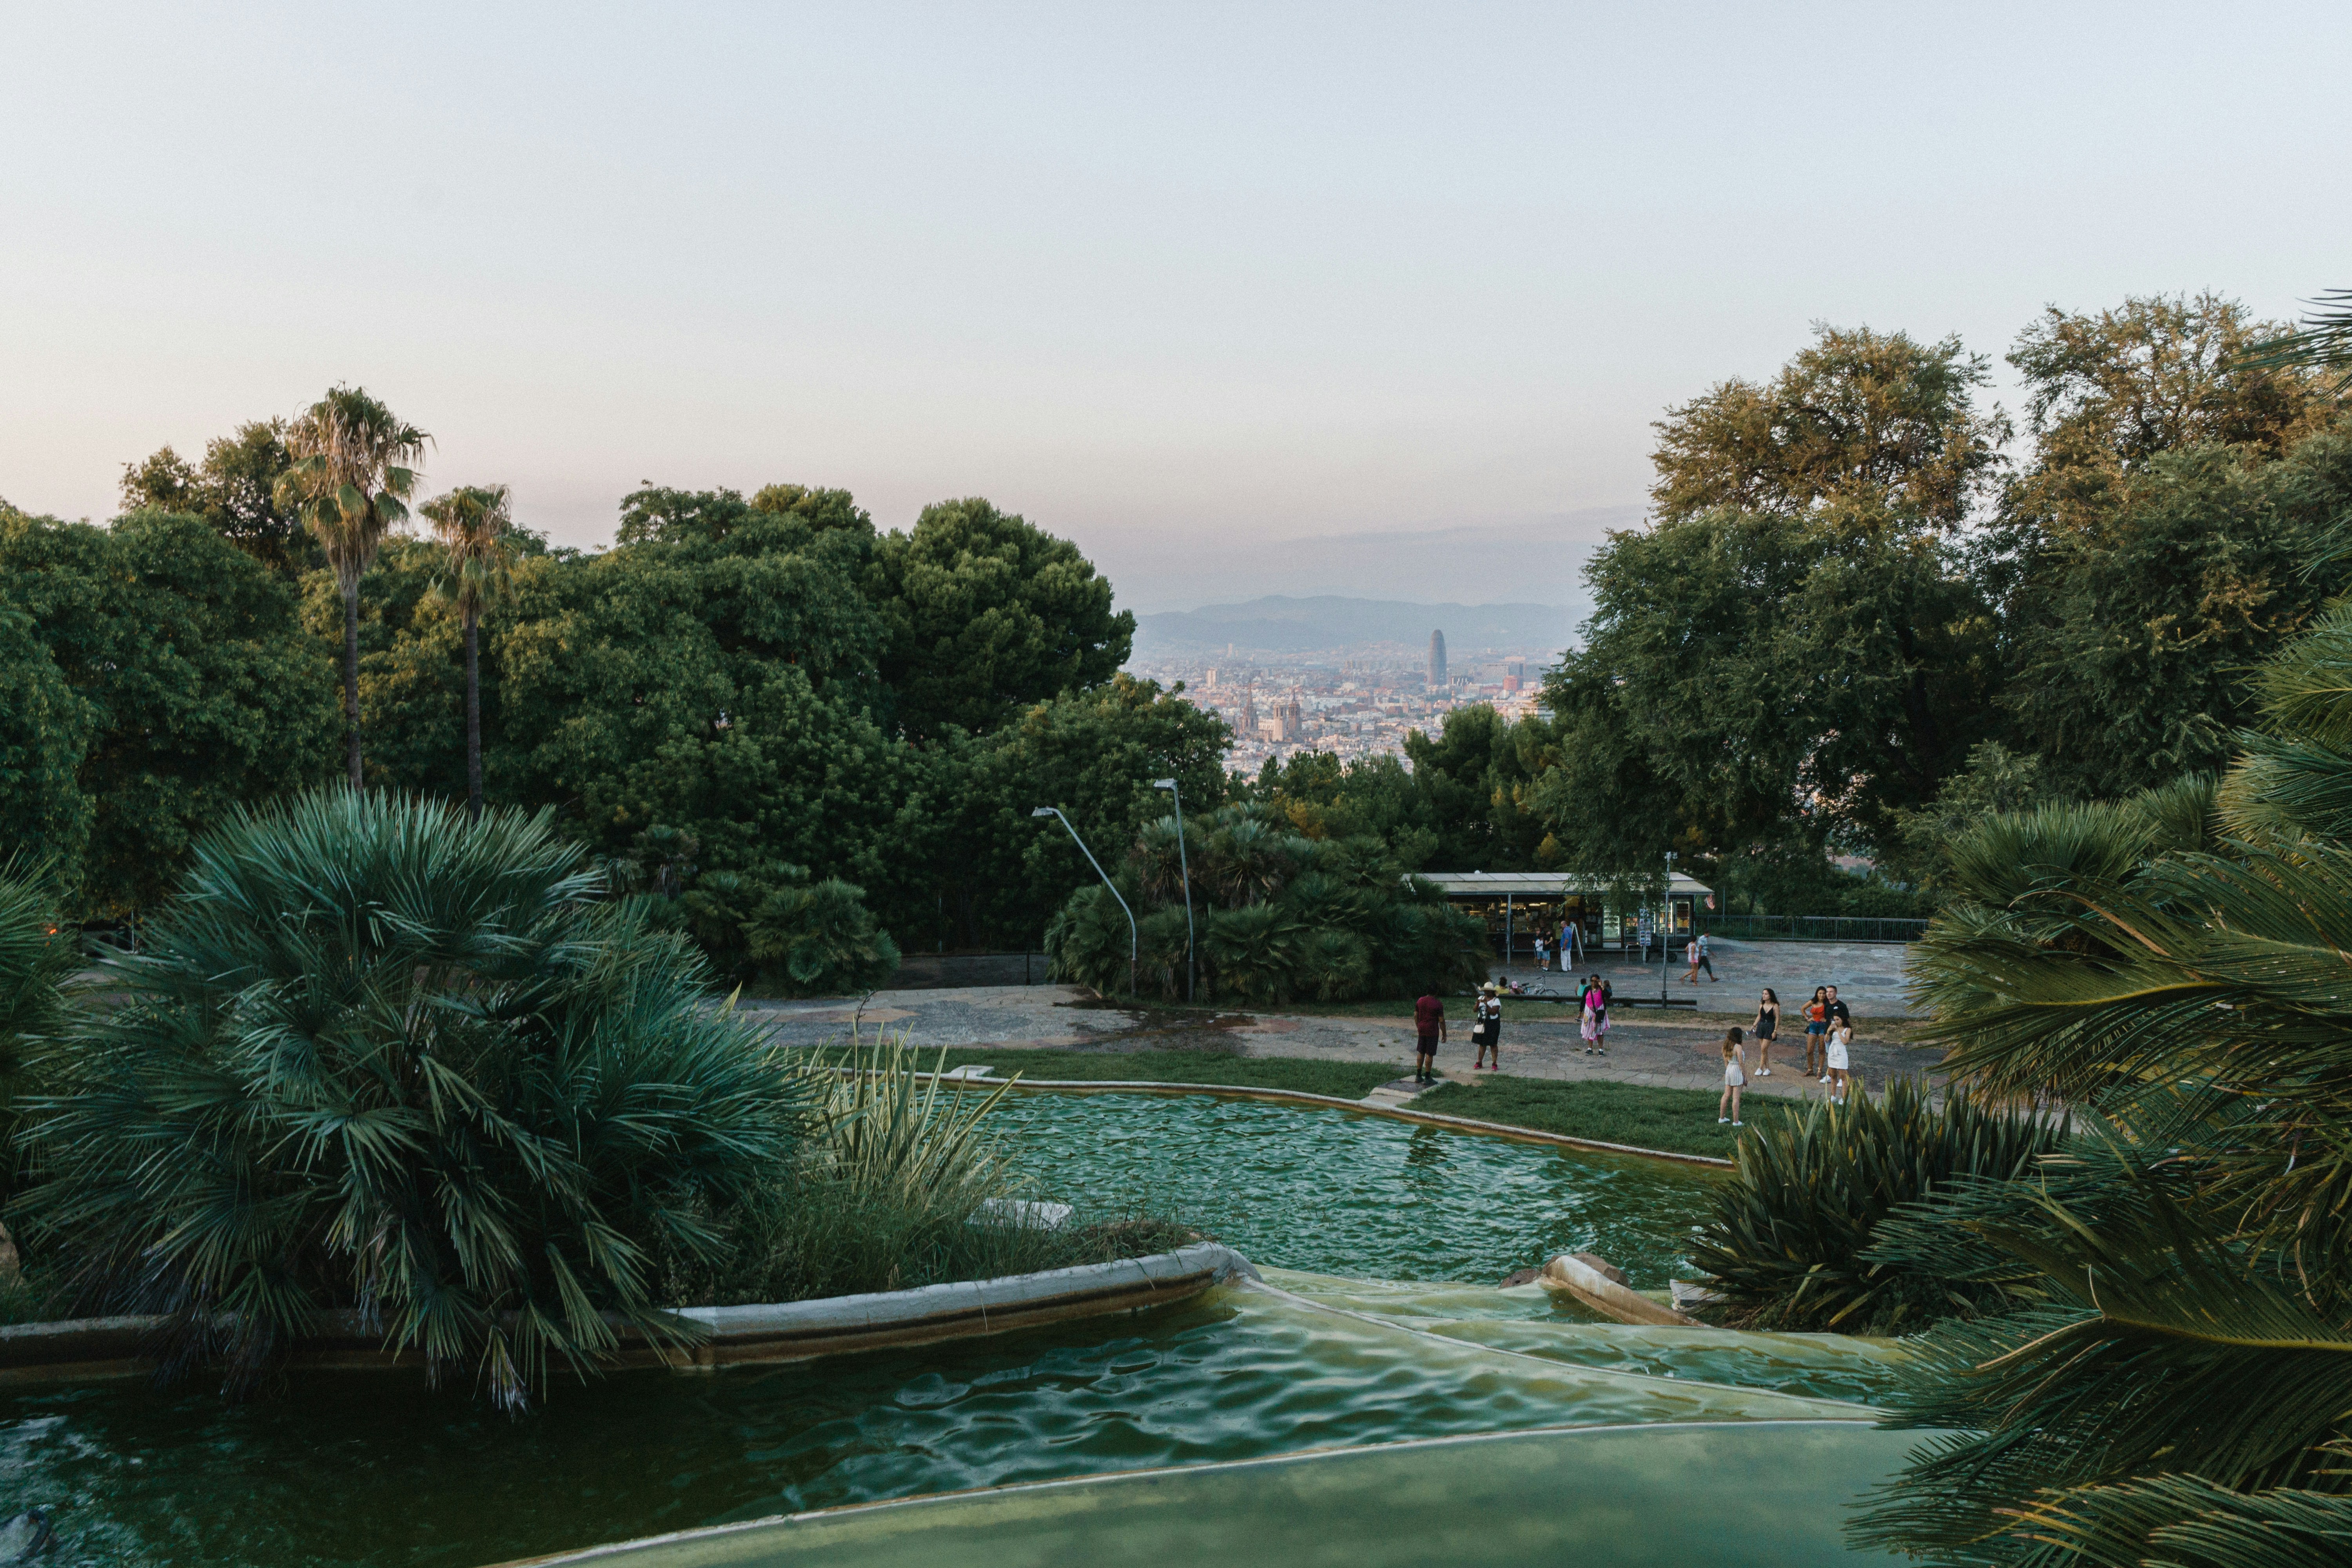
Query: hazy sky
[{"x": 1187, "y": 284}]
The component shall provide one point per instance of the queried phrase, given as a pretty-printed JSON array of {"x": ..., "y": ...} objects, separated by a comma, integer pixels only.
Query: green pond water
[
  {"x": 1361, "y": 1195},
  {"x": 374, "y": 1469}
]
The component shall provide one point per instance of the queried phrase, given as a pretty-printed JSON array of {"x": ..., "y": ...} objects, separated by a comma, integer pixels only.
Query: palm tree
[
  {"x": 2174, "y": 1383},
  {"x": 350, "y": 484},
  {"x": 473, "y": 522}
]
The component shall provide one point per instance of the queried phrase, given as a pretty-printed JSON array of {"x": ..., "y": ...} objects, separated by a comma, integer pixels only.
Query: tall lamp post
[
  {"x": 1191, "y": 964},
  {"x": 1133, "y": 944},
  {"x": 1665, "y": 929}
]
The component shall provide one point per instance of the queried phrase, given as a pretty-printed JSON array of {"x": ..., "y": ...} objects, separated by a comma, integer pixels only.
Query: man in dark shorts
[{"x": 1429, "y": 1025}]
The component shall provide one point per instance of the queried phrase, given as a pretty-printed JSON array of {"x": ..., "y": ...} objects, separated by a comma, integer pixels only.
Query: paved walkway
[{"x": 1539, "y": 1039}]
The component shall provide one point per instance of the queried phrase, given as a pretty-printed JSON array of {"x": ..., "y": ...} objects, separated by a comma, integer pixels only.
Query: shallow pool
[
  {"x": 371, "y": 1469},
  {"x": 1367, "y": 1196}
]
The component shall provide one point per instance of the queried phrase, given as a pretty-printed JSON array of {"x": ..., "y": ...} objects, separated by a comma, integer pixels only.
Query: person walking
[
  {"x": 1429, "y": 1027},
  {"x": 1767, "y": 1026},
  {"x": 1487, "y": 1033},
  {"x": 1594, "y": 1024},
  {"x": 1840, "y": 1037},
  {"x": 1817, "y": 1029},
  {"x": 1734, "y": 1078},
  {"x": 1699, "y": 959}
]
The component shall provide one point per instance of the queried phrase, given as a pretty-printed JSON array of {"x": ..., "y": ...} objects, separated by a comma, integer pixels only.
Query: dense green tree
[
  {"x": 1747, "y": 675},
  {"x": 234, "y": 491},
  {"x": 2131, "y": 626},
  {"x": 2107, "y": 392},
  {"x": 474, "y": 524},
  {"x": 1876, "y": 426},
  {"x": 203, "y": 691},
  {"x": 46, "y": 728},
  {"x": 1000, "y": 871},
  {"x": 987, "y": 614},
  {"x": 349, "y": 478},
  {"x": 1279, "y": 916}
]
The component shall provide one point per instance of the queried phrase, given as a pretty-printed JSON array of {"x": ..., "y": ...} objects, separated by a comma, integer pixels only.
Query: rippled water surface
[
  {"x": 353, "y": 1469},
  {"x": 1358, "y": 1195}
]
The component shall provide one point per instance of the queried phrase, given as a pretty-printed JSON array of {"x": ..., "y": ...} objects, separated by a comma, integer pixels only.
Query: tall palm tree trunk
[
  {"x": 352, "y": 676},
  {"x": 472, "y": 718}
]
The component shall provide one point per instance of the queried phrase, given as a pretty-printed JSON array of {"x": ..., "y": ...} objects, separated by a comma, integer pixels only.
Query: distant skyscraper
[{"x": 1437, "y": 658}]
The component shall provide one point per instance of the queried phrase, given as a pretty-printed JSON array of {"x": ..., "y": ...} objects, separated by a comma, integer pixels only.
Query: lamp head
[
  {"x": 1043, "y": 811},
  {"x": 1163, "y": 784}
]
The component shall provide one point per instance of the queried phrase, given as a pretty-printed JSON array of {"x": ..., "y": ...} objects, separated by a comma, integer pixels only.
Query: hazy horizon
[{"x": 1378, "y": 303}]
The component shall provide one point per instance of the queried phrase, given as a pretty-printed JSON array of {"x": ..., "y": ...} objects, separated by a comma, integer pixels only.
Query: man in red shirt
[{"x": 1428, "y": 1023}]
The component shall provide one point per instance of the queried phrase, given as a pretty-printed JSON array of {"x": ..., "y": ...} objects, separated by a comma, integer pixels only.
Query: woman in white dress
[
  {"x": 1734, "y": 1078},
  {"x": 1840, "y": 1037}
]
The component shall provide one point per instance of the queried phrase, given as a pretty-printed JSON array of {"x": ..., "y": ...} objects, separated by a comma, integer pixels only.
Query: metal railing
[
  {"x": 1811, "y": 928},
  {"x": 929, "y": 971}
]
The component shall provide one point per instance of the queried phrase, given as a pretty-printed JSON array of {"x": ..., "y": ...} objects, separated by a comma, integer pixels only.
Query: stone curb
[{"x": 767, "y": 1332}]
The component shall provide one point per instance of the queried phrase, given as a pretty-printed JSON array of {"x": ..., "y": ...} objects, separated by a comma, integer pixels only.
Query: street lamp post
[
  {"x": 1666, "y": 929},
  {"x": 1133, "y": 943},
  {"x": 1183, "y": 865}
]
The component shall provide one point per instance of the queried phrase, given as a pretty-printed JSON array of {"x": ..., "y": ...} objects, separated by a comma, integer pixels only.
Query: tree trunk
[
  {"x": 352, "y": 676},
  {"x": 472, "y": 718}
]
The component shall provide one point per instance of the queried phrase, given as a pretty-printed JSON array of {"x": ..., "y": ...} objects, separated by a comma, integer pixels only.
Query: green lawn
[
  {"x": 1682, "y": 1120},
  {"x": 1349, "y": 1081}
]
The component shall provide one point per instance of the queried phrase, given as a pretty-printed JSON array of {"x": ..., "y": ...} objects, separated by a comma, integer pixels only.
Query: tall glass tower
[{"x": 1437, "y": 658}]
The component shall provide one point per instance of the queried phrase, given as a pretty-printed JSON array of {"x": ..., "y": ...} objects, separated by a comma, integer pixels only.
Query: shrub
[
  {"x": 1789, "y": 1241},
  {"x": 36, "y": 957},
  {"x": 376, "y": 1055},
  {"x": 820, "y": 941}
]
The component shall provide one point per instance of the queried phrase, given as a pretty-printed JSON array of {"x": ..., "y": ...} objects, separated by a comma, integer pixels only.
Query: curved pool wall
[
  {"x": 1363, "y": 1196},
  {"x": 1657, "y": 1497},
  {"x": 348, "y": 1468}
]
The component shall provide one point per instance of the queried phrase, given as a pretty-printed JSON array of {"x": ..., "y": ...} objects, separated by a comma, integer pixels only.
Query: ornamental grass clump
[
  {"x": 374, "y": 1056},
  {"x": 1789, "y": 1245}
]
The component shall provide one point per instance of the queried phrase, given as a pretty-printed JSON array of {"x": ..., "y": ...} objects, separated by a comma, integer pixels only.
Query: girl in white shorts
[
  {"x": 1840, "y": 1037},
  {"x": 1734, "y": 1078}
]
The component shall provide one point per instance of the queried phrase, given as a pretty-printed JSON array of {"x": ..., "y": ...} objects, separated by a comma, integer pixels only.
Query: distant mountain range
[{"x": 1329, "y": 621}]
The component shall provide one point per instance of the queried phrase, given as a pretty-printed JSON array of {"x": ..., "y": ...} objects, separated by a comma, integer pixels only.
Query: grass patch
[
  {"x": 1311, "y": 1075},
  {"x": 1680, "y": 1119}
]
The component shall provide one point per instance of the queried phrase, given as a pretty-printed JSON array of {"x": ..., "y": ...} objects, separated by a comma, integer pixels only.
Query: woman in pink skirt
[{"x": 1594, "y": 1026}]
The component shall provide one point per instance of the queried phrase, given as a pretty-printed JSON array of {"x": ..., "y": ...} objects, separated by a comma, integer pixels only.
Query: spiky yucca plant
[
  {"x": 377, "y": 1056},
  {"x": 1789, "y": 1243}
]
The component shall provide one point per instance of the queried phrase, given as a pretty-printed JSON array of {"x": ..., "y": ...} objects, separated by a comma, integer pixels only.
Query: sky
[{"x": 1244, "y": 300}]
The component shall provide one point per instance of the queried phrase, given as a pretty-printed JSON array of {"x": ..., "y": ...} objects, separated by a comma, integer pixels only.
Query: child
[
  {"x": 1735, "y": 1078},
  {"x": 1487, "y": 1030},
  {"x": 1839, "y": 1038},
  {"x": 1543, "y": 959}
]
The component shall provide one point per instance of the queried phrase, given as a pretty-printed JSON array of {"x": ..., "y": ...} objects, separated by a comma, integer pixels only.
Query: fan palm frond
[{"x": 377, "y": 1056}]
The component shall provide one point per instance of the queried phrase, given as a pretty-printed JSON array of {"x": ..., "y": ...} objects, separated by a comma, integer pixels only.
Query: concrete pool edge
[
  {"x": 1109, "y": 1478},
  {"x": 99, "y": 1348}
]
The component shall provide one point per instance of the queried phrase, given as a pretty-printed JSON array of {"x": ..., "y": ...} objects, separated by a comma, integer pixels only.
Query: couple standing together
[{"x": 1429, "y": 1029}]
